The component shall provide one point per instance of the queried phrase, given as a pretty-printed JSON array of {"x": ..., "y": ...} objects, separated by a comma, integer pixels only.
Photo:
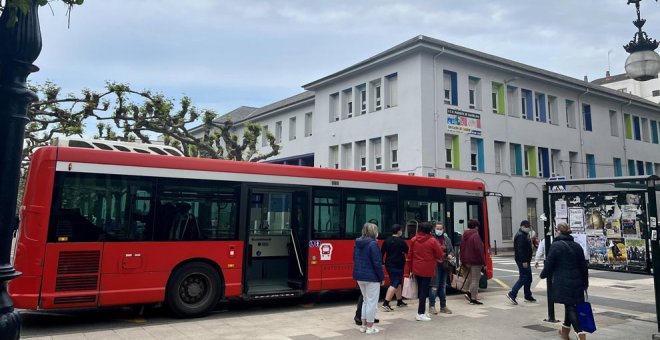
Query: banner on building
[{"x": 463, "y": 122}]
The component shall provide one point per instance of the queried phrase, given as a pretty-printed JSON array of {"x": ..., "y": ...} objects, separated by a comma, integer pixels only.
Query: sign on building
[{"x": 464, "y": 122}]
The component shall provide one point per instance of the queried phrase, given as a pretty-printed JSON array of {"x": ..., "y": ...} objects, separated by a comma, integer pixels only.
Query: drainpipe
[
  {"x": 580, "y": 127},
  {"x": 435, "y": 112}
]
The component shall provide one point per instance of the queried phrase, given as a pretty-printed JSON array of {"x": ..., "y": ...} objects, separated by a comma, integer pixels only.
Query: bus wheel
[{"x": 193, "y": 290}]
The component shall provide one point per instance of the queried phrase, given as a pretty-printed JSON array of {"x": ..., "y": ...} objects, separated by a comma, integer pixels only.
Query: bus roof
[{"x": 79, "y": 155}]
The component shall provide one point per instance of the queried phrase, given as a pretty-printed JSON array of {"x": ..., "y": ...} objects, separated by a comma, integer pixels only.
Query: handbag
[
  {"x": 483, "y": 280},
  {"x": 460, "y": 279},
  {"x": 585, "y": 315},
  {"x": 409, "y": 290}
]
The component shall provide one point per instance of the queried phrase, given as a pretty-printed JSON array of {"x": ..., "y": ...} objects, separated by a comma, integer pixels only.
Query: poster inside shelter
[
  {"x": 576, "y": 219},
  {"x": 616, "y": 251},
  {"x": 630, "y": 226},
  {"x": 597, "y": 249},
  {"x": 595, "y": 222},
  {"x": 636, "y": 249}
]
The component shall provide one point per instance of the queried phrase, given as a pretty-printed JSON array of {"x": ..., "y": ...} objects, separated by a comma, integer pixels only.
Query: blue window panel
[
  {"x": 586, "y": 110},
  {"x": 542, "y": 109},
  {"x": 454, "y": 87},
  {"x": 618, "y": 170},
  {"x": 529, "y": 103},
  {"x": 640, "y": 168},
  {"x": 631, "y": 167},
  {"x": 649, "y": 168},
  {"x": 480, "y": 155},
  {"x": 637, "y": 129},
  {"x": 591, "y": 166},
  {"x": 545, "y": 158},
  {"x": 654, "y": 132}
]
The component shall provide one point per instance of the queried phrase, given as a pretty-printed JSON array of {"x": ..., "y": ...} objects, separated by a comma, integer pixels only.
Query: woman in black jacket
[{"x": 566, "y": 265}]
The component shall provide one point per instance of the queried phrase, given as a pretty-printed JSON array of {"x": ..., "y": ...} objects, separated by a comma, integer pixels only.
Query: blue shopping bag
[{"x": 585, "y": 316}]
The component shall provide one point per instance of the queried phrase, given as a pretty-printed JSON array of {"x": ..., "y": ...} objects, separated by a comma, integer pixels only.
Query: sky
[{"x": 225, "y": 54}]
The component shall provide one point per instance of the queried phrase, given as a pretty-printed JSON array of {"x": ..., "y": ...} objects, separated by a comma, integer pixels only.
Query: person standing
[
  {"x": 424, "y": 253},
  {"x": 368, "y": 272},
  {"x": 439, "y": 281},
  {"x": 566, "y": 265},
  {"x": 394, "y": 251},
  {"x": 522, "y": 246},
  {"x": 473, "y": 256}
]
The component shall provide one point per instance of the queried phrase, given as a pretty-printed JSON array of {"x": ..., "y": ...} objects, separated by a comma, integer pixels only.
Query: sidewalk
[{"x": 625, "y": 312}]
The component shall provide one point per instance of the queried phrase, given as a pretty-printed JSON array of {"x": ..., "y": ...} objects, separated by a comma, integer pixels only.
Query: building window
[
  {"x": 334, "y": 107},
  {"x": 376, "y": 148},
  {"x": 391, "y": 91},
  {"x": 627, "y": 121},
  {"x": 540, "y": 107},
  {"x": 499, "y": 157},
  {"x": 640, "y": 168},
  {"x": 645, "y": 130},
  {"x": 347, "y": 156},
  {"x": 543, "y": 162},
  {"x": 654, "y": 132},
  {"x": 363, "y": 99},
  {"x": 497, "y": 98},
  {"x": 477, "y": 154},
  {"x": 512, "y": 95},
  {"x": 618, "y": 169},
  {"x": 507, "y": 218},
  {"x": 552, "y": 110},
  {"x": 450, "y": 87},
  {"x": 526, "y": 104},
  {"x": 570, "y": 114},
  {"x": 586, "y": 117},
  {"x": 637, "y": 128},
  {"x": 394, "y": 151},
  {"x": 573, "y": 168},
  {"x": 278, "y": 132},
  {"x": 655, "y": 93},
  {"x": 657, "y": 168},
  {"x": 555, "y": 168},
  {"x": 264, "y": 134},
  {"x": 347, "y": 111},
  {"x": 474, "y": 92},
  {"x": 591, "y": 166},
  {"x": 531, "y": 213},
  {"x": 292, "y": 128},
  {"x": 333, "y": 157},
  {"x": 308, "y": 124},
  {"x": 614, "y": 123},
  {"x": 361, "y": 153},
  {"x": 452, "y": 155},
  {"x": 649, "y": 168},
  {"x": 516, "y": 159},
  {"x": 376, "y": 95},
  {"x": 631, "y": 167}
]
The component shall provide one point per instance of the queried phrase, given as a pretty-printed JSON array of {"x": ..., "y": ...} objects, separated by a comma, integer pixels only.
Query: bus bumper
[{"x": 24, "y": 291}]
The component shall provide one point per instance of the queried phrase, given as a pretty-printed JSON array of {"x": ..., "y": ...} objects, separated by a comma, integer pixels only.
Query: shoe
[
  {"x": 467, "y": 296},
  {"x": 363, "y": 329},
  {"x": 386, "y": 308},
  {"x": 372, "y": 330},
  {"x": 511, "y": 298},
  {"x": 376, "y": 321},
  {"x": 427, "y": 315},
  {"x": 445, "y": 310},
  {"x": 400, "y": 303},
  {"x": 530, "y": 300},
  {"x": 565, "y": 332},
  {"x": 475, "y": 302},
  {"x": 582, "y": 336},
  {"x": 357, "y": 321},
  {"x": 432, "y": 310},
  {"x": 422, "y": 317}
]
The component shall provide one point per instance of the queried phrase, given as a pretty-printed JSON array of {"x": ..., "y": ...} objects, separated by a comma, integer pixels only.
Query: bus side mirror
[{"x": 461, "y": 221}]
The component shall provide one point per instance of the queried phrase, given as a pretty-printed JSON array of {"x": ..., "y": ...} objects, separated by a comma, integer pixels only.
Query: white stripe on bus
[{"x": 214, "y": 175}]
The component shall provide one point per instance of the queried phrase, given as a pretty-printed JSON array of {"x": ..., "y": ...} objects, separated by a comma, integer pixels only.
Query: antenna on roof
[{"x": 608, "y": 63}]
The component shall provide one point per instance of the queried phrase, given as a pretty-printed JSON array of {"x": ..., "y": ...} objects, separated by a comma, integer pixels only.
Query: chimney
[
  {"x": 586, "y": 80},
  {"x": 607, "y": 75}
]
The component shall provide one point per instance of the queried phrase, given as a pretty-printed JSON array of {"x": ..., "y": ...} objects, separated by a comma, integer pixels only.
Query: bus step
[{"x": 277, "y": 295}]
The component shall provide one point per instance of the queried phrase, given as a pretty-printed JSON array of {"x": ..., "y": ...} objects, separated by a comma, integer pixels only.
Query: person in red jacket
[
  {"x": 473, "y": 256},
  {"x": 424, "y": 253}
]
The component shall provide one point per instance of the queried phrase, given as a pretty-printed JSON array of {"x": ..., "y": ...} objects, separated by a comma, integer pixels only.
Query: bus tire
[{"x": 193, "y": 290}]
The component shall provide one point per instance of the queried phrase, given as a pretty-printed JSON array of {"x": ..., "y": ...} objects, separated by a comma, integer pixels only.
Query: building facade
[
  {"x": 649, "y": 89},
  {"x": 430, "y": 108}
]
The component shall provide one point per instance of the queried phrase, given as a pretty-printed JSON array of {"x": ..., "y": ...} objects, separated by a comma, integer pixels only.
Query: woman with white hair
[{"x": 368, "y": 272}]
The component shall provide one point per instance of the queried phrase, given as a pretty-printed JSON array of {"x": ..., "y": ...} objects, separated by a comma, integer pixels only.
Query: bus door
[
  {"x": 277, "y": 231},
  {"x": 461, "y": 209}
]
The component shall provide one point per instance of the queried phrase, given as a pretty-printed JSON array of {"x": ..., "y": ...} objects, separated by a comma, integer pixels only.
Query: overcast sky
[{"x": 225, "y": 54}]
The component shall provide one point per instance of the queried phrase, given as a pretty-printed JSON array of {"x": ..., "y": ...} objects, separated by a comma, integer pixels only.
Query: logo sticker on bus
[{"x": 326, "y": 251}]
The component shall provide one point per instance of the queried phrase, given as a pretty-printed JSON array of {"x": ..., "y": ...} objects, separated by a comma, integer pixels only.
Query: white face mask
[{"x": 439, "y": 232}]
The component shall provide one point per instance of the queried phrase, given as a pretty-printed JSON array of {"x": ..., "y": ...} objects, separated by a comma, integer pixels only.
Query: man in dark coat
[
  {"x": 567, "y": 267},
  {"x": 522, "y": 246}
]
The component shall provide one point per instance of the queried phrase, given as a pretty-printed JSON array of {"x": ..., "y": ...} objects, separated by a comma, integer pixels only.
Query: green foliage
[
  {"x": 122, "y": 113},
  {"x": 13, "y": 8}
]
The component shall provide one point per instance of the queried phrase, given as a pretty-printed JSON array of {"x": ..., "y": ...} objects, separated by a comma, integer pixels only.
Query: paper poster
[
  {"x": 597, "y": 249},
  {"x": 653, "y": 222},
  {"x": 613, "y": 228},
  {"x": 581, "y": 239},
  {"x": 616, "y": 251},
  {"x": 629, "y": 223},
  {"x": 636, "y": 249},
  {"x": 576, "y": 219},
  {"x": 595, "y": 223},
  {"x": 561, "y": 209}
]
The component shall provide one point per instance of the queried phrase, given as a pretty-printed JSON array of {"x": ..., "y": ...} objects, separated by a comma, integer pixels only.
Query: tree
[{"x": 122, "y": 113}]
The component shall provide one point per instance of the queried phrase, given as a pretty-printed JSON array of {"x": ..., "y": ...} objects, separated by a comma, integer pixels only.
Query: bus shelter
[{"x": 615, "y": 220}]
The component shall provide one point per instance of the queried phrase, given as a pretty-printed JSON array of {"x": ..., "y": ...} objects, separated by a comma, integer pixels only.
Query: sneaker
[
  {"x": 445, "y": 310},
  {"x": 432, "y": 310},
  {"x": 372, "y": 330},
  {"x": 467, "y": 296},
  {"x": 511, "y": 298},
  {"x": 530, "y": 300},
  {"x": 476, "y": 302},
  {"x": 363, "y": 329},
  {"x": 422, "y": 317},
  {"x": 386, "y": 308},
  {"x": 400, "y": 303}
]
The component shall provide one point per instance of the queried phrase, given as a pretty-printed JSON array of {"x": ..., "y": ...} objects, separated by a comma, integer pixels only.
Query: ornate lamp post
[
  {"x": 643, "y": 63},
  {"x": 20, "y": 45}
]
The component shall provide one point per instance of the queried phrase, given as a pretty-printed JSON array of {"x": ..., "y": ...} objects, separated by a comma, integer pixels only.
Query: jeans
[
  {"x": 570, "y": 318},
  {"x": 440, "y": 290},
  {"x": 370, "y": 292},
  {"x": 524, "y": 280},
  {"x": 422, "y": 292}
]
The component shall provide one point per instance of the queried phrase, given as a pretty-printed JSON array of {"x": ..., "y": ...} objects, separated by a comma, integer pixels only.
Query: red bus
[{"x": 108, "y": 228}]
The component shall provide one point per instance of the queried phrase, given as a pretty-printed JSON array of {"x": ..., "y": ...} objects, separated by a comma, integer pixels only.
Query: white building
[
  {"x": 430, "y": 108},
  {"x": 649, "y": 89}
]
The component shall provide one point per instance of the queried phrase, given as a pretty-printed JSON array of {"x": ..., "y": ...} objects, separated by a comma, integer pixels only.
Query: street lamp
[{"x": 643, "y": 63}]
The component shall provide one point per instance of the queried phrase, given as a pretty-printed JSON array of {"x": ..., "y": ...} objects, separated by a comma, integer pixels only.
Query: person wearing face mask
[
  {"x": 522, "y": 245},
  {"x": 424, "y": 253},
  {"x": 439, "y": 281}
]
